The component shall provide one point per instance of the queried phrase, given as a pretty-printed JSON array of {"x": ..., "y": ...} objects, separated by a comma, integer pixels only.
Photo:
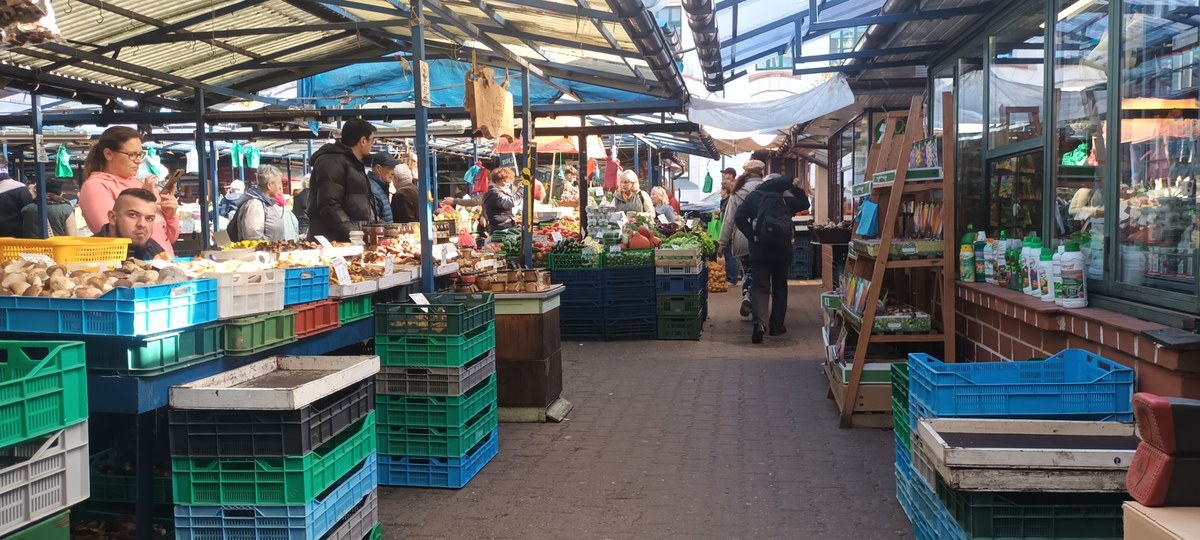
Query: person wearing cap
[
  {"x": 13, "y": 197},
  {"x": 59, "y": 213},
  {"x": 731, "y": 237},
  {"x": 383, "y": 168},
  {"x": 232, "y": 198},
  {"x": 630, "y": 197},
  {"x": 404, "y": 201},
  {"x": 341, "y": 201}
]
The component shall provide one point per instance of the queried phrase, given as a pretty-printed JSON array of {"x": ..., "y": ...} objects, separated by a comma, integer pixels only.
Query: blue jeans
[{"x": 731, "y": 266}]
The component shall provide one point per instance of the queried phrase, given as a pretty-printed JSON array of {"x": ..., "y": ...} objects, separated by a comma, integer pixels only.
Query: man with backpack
[{"x": 765, "y": 217}]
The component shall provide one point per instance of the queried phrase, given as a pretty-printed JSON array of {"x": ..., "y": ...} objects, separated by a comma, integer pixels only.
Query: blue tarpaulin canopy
[{"x": 389, "y": 82}]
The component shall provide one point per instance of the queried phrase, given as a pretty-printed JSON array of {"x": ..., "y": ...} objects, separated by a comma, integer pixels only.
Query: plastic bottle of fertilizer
[
  {"x": 1001, "y": 252},
  {"x": 1028, "y": 264},
  {"x": 989, "y": 262},
  {"x": 1056, "y": 280},
  {"x": 1035, "y": 253},
  {"x": 1045, "y": 272},
  {"x": 980, "y": 264},
  {"x": 1074, "y": 282}
]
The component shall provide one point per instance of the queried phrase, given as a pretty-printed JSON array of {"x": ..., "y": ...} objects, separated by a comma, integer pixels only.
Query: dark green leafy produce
[{"x": 568, "y": 246}]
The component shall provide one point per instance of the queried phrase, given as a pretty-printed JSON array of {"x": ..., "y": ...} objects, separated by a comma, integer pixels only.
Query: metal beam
[
  {"x": 39, "y": 169},
  {"x": 859, "y": 67},
  {"x": 28, "y": 79},
  {"x": 202, "y": 173},
  {"x": 870, "y": 53},
  {"x": 499, "y": 19},
  {"x": 133, "y": 68},
  {"x": 893, "y": 18},
  {"x": 610, "y": 39},
  {"x": 620, "y": 129},
  {"x": 264, "y": 31},
  {"x": 424, "y": 206},
  {"x": 160, "y": 24},
  {"x": 564, "y": 9}
]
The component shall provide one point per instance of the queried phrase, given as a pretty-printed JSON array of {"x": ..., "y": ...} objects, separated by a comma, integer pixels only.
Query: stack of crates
[
  {"x": 580, "y": 315},
  {"x": 43, "y": 437},
  {"x": 438, "y": 413},
  {"x": 628, "y": 300},
  {"x": 682, "y": 301},
  {"x": 802, "y": 257},
  {"x": 299, "y": 474}
]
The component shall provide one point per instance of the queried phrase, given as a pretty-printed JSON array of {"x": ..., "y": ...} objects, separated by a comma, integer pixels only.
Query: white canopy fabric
[{"x": 774, "y": 115}]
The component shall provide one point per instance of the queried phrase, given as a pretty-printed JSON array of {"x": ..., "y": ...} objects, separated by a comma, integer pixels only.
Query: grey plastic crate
[
  {"x": 435, "y": 381},
  {"x": 358, "y": 524}
]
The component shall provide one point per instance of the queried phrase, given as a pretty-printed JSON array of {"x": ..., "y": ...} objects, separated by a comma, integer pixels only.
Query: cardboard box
[{"x": 1171, "y": 523}]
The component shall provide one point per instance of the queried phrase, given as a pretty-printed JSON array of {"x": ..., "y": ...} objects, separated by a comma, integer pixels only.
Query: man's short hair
[
  {"x": 355, "y": 129},
  {"x": 138, "y": 193},
  {"x": 268, "y": 174},
  {"x": 571, "y": 170},
  {"x": 54, "y": 186}
]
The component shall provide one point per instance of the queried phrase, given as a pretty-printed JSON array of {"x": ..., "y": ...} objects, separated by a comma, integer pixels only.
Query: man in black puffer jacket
[
  {"x": 341, "y": 198},
  {"x": 13, "y": 197}
]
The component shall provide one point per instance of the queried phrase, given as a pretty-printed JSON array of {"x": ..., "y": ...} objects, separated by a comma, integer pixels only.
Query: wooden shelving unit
[{"x": 870, "y": 405}]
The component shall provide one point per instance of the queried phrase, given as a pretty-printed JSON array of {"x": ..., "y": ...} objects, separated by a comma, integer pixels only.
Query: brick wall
[{"x": 999, "y": 324}]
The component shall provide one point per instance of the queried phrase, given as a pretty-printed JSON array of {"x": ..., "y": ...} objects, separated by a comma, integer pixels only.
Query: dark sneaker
[
  {"x": 757, "y": 336},
  {"x": 778, "y": 330},
  {"x": 745, "y": 311}
]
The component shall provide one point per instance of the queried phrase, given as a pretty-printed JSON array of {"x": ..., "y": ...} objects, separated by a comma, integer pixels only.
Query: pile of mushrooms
[{"x": 24, "y": 278}]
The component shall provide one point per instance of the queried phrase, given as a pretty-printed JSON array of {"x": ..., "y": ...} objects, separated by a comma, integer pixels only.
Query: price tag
[
  {"x": 557, "y": 236},
  {"x": 663, "y": 219},
  {"x": 38, "y": 258},
  {"x": 389, "y": 265},
  {"x": 614, "y": 249},
  {"x": 323, "y": 241},
  {"x": 691, "y": 223},
  {"x": 420, "y": 300},
  {"x": 339, "y": 268},
  {"x": 540, "y": 238}
]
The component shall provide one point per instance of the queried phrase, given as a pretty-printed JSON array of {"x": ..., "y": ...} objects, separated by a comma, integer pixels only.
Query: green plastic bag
[
  {"x": 253, "y": 158},
  {"x": 236, "y": 154},
  {"x": 63, "y": 168},
  {"x": 708, "y": 181},
  {"x": 714, "y": 229}
]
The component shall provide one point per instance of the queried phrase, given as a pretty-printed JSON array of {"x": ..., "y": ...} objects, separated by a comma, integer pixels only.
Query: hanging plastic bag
[
  {"x": 63, "y": 168},
  {"x": 470, "y": 176},
  {"x": 237, "y": 154},
  {"x": 714, "y": 229},
  {"x": 481, "y": 180},
  {"x": 27, "y": 22},
  {"x": 708, "y": 182},
  {"x": 152, "y": 165},
  {"x": 868, "y": 218},
  {"x": 253, "y": 157}
]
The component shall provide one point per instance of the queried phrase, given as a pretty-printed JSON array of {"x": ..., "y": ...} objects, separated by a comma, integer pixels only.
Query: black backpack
[{"x": 773, "y": 224}]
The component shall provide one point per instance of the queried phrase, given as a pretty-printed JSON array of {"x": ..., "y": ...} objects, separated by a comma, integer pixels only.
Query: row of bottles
[{"x": 1025, "y": 265}]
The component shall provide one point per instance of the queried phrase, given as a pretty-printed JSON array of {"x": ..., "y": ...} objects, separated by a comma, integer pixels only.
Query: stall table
[{"x": 529, "y": 356}]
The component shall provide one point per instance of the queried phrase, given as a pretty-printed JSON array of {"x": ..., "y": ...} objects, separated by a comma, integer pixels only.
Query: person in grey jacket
[
  {"x": 733, "y": 238},
  {"x": 258, "y": 216},
  {"x": 630, "y": 197}
]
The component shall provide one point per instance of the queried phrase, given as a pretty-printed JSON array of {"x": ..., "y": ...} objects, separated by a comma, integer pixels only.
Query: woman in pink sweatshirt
[{"x": 111, "y": 167}]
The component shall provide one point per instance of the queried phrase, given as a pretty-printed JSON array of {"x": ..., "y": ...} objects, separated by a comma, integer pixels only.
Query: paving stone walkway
[{"x": 674, "y": 439}]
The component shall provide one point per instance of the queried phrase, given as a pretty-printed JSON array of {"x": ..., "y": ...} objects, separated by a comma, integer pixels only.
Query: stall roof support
[{"x": 891, "y": 18}]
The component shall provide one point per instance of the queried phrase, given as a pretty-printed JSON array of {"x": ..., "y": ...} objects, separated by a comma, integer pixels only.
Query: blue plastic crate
[
  {"x": 681, "y": 284},
  {"x": 304, "y": 285},
  {"x": 577, "y": 276},
  {"x": 1073, "y": 384},
  {"x": 296, "y": 522},
  {"x": 582, "y": 295},
  {"x": 623, "y": 276},
  {"x": 581, "y": 330},
  {"x": 438, "y": 472},
  {"x": 129, "y": 312}
]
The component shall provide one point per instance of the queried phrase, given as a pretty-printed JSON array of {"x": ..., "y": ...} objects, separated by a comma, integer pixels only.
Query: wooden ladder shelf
[{"x": 864, "y": 405}]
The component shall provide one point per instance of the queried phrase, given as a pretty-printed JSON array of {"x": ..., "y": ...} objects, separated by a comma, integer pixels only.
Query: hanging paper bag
[
  {"x": 489, "y": 103},
  {"x": 868, "y": 218}
]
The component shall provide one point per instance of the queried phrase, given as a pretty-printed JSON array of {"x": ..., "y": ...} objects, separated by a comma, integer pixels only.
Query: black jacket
[
  {"x": 341, "y": 199},
  {"x": 794, "y": 197},
  {"x": 145, "y": 253},
  {"x": 379, "y": 197},
  {"x": 404, "y": 203},
  {"x": 300, "y": 208},
  {"x": 13, "y": 197},
  {"x": 498, "y": 205}
]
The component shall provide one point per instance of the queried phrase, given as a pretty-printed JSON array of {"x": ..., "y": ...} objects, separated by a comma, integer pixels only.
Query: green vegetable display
[{"x": 692, "y": 240}]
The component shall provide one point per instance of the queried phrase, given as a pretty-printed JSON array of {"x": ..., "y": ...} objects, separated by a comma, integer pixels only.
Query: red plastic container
[
  {"x": 1169, "y": 424},
  {"x": 1158, "y": 479},
  {"x": 316, "y": 317}
]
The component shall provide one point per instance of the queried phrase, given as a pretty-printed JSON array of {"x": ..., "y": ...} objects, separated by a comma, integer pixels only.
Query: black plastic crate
[
  {"x": 629, "y": 276},
  {"x": 577, "y": 276},
  {"x": 632, "y": 312},
  {"x": 582, "y": 330},
  {"x": 396, "y": 294},
  {"x": 197, "y": 433},
  {"x": 631, "y": 328}
]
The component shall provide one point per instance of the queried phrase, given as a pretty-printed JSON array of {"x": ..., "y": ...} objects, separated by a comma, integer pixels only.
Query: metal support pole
[
  {"x": 39, "y": 169},
  {"x": 583, "y": 180},
  {"x": 202, "y": 174},
  {"x": 424, "y": 209},
  {"x": 437, "y": 196},
  {"x": 474, "y": 151},
  {"x": 308, "y": 157},
  {"x": 215, "y": 182},
  {"x": 654, "y": 179},
  {"x": 289, "y": 174},
  {"x": 637, "y": 149},
  {"x": 527, "y": 201}
]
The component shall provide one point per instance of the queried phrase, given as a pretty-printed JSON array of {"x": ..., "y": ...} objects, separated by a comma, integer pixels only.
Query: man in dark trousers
[
  {"x": 341, "y": 201},
  {"x": 765, "y": 217}
]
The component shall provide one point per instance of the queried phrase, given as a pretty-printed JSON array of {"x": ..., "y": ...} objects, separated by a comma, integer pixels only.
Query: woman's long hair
[
  {"x": 738, "y": 182},
  {"x": 113, "y": 139}
]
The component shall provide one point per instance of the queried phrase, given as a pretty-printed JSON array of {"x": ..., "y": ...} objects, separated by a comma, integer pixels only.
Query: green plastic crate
[
  {"x": 447, "y": 314},
  {"x": 123, "y": 488},
  {"x": 43, "y": 388},
  {"x": 680, "y": 327},
  {"x": 562, "y": 261},
  {"x": 685, "y": 305},
  {"x": 436, "y": 411},
  {"x": 982, "y": 515},
  {"x": 900, "y": 421},
  {"x": 354, "y": 309},
  {"x": 629, "y": 258},
  {"x": 250, "y": 335},
  {"x": 113, "y": 520},
  {"x": 158, "y": 353},
  {"x": 273, "y": 481},
  {"x": 451, "y": 442},
  {"x": 377, "y": 532},
  {"x": 56, "y": 527},
  {"x": 900, "y": 381},
  {"x": 435, "y": 351}
]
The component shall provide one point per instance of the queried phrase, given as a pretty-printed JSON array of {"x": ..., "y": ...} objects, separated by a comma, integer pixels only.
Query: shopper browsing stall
[
  {"x": 109, "y": 169},
  {"x": 630, "y": 197},
  {"x": 259, "y": 216},
  {"x": 134, "y": 215},
  {"x": 662, "y": 203},
  {"x": 500, "y": 200},
  {"x": 730, "y": 236},
  {"x": 342, "y": 199},
  {"x": 404, "y": 200},
  {"x": 765, "y": 219},
  {"x": 382, "y": 174},
  {"x": 59, "y": 214}
]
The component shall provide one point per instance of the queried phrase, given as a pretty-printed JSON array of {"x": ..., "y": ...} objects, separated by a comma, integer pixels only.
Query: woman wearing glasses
[{"x": 111, "y": 167}]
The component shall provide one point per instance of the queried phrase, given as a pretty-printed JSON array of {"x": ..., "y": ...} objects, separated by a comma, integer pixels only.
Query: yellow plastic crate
[{"x": 67, "y": 250}]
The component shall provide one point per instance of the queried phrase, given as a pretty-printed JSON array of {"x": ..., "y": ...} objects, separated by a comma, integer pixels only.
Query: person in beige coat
[{"x": 751, "y": 178}]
